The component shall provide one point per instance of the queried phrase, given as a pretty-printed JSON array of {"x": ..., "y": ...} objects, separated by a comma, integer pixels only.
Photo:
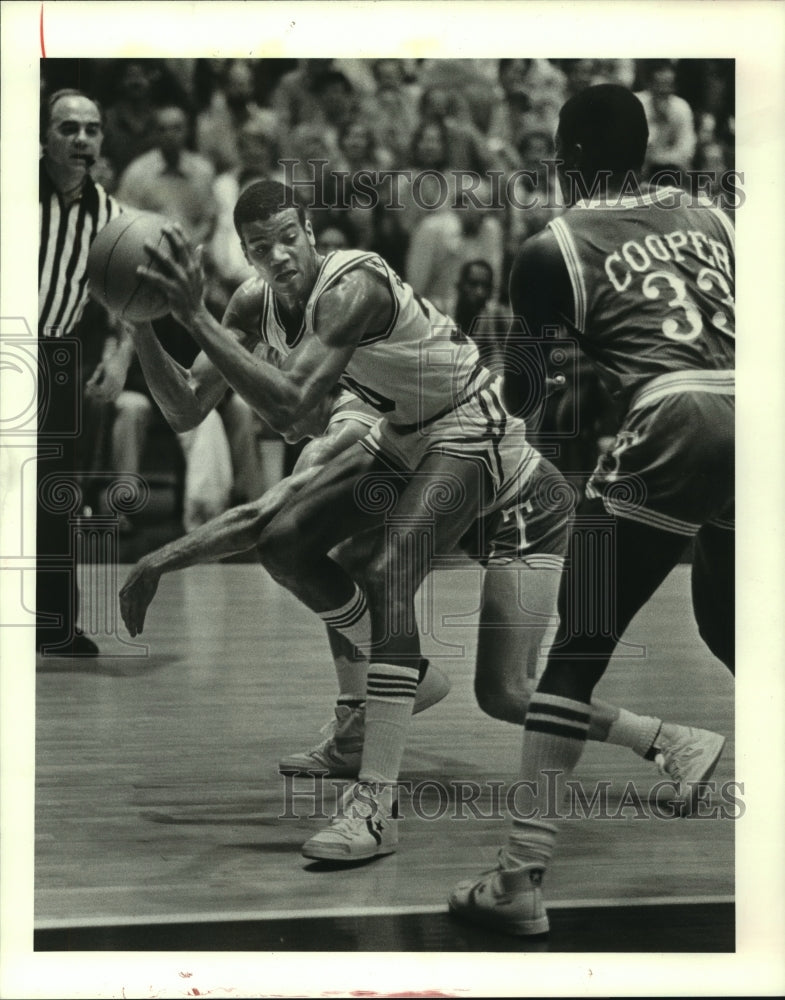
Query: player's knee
[
  {"x": 502, "y": 698},
  {"x": 279, "y": 550},
  {"x": 376, "y": 572},
  {"x": 354, "y": 557}
]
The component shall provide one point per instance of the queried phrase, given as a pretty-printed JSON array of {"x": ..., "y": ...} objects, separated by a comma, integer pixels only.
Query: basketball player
[
  {"x": 522, "y": 549},
  {"x": 443, "y": 454},
  {"x": 646, "y": 284},
  {"x": 257, "y": 307}
]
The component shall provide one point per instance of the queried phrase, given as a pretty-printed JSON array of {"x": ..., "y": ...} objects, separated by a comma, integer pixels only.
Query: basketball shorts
[
  {"x": 478, "y": 429},
  {"x": 672, "y": 463},
  {"x": 350, "y": 407},
  {"x": 531, "y": 528}
]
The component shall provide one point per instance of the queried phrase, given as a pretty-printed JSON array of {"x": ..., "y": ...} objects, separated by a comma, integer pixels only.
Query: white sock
[
  {"x": 388, "y": 709},
  {"x": 553, "y": 740},
  {"x": 637, "y": 732},
  {"x": 350, "y": 668},
  {"x": 352, "y": 620}
]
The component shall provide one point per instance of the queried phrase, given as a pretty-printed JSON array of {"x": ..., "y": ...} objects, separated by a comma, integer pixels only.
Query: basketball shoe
[
  {"x": 365, "y": 825},
  {"x": 340, "y": 753},
  {"x": 507, "y": 898},
  {"x": 689, "y": 756}
]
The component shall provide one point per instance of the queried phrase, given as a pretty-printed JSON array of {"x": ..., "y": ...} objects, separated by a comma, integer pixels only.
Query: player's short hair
[
  {"x": 610, "y": 124},
  {"x": 48, "y": 105},
  {"x": 263, "y": 199},
  {"x": 477, "y": 262}
]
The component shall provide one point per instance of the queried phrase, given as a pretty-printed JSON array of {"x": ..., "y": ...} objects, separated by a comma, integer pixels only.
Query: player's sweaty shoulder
[
  {"x": 245, "y": 308},
  {"x": 359, "y": 301}
]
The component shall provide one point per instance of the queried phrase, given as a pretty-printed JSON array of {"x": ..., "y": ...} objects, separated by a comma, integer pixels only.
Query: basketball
[{"x": 116, "y": 253}]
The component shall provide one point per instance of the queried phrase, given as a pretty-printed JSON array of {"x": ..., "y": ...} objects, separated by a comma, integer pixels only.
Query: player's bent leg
[
  {"x": 423, "y": 520},
  {"x": 641, "y": 557},
  {"x": 559, "y": 714},
  {"x": 713, "y": 591},
  {"x": 518, "y": 623},
  {"x": 294, "y": 546},
  {"x": 518, "y": 614},
  {"x": 339, "y": 753}
]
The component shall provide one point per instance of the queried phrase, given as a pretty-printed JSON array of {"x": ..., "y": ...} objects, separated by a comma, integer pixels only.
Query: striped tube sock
[
  {"x": 553, "y": 740},
  {"x": 638, "y": 732},
  {"x": 352, "y": 619},
  {"x": 388, "y": 709}
]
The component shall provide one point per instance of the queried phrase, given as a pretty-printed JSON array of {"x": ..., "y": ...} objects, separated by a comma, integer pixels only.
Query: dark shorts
[{"x": 672, "y": 464}]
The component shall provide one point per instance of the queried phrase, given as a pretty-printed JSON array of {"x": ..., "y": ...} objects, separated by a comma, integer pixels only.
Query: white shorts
[
  {"x": 350, "y": 407},
  {"x": 479, "y": 430}
]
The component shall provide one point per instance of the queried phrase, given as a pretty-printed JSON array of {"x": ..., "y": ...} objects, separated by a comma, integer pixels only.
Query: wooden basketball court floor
[{"x": 162, "y": 822}]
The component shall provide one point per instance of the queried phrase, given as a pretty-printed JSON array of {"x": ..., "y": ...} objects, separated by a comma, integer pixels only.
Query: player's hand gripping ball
[{"x": 117, "y": 251}]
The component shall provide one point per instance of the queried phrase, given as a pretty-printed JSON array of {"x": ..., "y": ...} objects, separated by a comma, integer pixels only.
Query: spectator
[
  {"x": 477, "y": 314},
  {"x": 312, "y": 149},
  {"x": 532, "y": 90},
  {"x": 177, "y": 183},
  {"x": 581, "y": 73},
  {"x": 467, "y": 148},
  {"x": 444, "y": 241},
  {"x": 339, "y": 103},
  {"x": 474, "y": 80},
  {"x": 257, "y": 147},
  {"x": 359, "y": 152},
  {"x": 672, "y": 136},
  {"x": 170, "y": 179},
  {"x": 130, "y": 119},
  {"x": 296, "y": 97},
  {"x": 432, "y": 186},
  {"x": 392, "y": 108},
  {"x": 711, "y": 157},
  {"x": 230, "y": 107},
  {"x": 334, "y": 231}
]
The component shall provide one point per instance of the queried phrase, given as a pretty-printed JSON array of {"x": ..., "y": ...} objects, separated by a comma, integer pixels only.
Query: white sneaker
[
  {"x": 365, "y": 826},
  {"x": 689, "y": 756},
  {"x": 339, "y": 755},
  {"x": 506, "y": 898}
]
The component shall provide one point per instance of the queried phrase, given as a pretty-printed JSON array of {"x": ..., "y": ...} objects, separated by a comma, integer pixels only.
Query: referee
[{"x": 72, "y": 210}]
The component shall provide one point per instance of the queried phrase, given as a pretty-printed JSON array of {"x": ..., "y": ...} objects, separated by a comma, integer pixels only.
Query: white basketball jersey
[{"x": 419, "y": 366}]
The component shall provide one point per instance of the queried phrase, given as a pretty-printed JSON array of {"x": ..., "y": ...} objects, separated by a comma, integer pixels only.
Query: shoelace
[
  {"x": 672, "y": 767},
  {"x": 346, "y": 826}
]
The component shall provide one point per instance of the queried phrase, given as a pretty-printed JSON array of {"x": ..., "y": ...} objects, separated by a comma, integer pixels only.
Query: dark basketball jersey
[{"x": 653, "y": 290}]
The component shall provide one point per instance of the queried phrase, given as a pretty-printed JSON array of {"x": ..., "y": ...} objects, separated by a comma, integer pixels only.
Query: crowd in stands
[{"x": 184, "y": 137}]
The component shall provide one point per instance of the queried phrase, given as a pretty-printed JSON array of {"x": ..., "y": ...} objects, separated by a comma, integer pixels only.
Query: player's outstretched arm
[
  {"x": 232, "y": 532},
  {"x": 236, "y": 530}
]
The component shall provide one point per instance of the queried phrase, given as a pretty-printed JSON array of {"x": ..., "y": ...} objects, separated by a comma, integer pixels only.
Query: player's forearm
[
  {"x": 235, "y": 531},
  {"x": 168, "y": 381},
  {"x": 118, "y": 342},
  {"x": 266, "y": 389}
]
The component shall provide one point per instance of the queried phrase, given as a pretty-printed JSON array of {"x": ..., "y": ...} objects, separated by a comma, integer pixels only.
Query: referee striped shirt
[{"x": 65, "y": 235}]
